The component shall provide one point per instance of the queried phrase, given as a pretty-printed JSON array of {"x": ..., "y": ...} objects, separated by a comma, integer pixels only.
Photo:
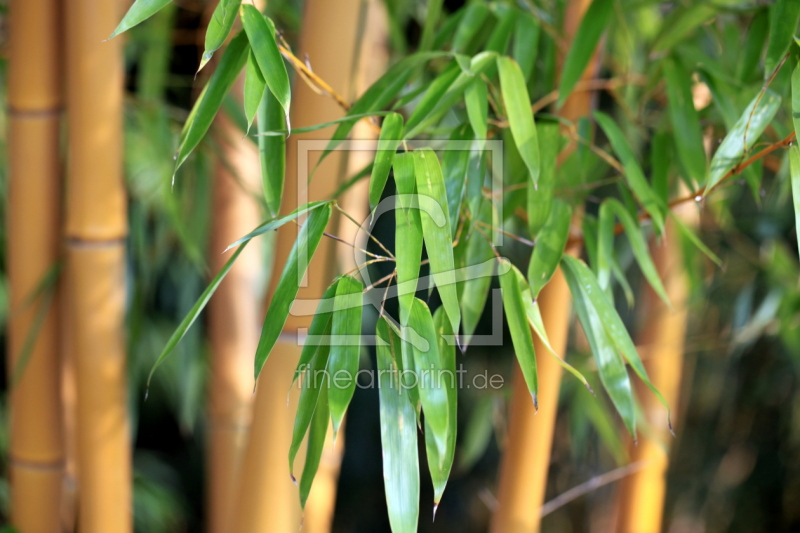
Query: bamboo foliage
[
  {"x": 96, "y": 227},
  {"x": 36, "y": 447}
]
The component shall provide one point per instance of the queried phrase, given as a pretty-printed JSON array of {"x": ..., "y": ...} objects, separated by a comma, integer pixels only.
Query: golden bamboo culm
[
  {"x": 36, "y": 446},
  {"x": 96, "y": 229}
]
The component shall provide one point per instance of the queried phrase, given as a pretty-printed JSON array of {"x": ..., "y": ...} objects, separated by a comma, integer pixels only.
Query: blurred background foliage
[{"x": 736, "y": 459}]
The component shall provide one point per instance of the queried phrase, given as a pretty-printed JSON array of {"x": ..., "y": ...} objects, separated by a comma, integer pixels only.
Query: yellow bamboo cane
[
  {"x": 267, "y": 500},
  {"x": 96, "y": 227},
  {"x": 641, "y": 495},
  {"x": 36, "y": 448},
  {"x": 526, "y": 459}
]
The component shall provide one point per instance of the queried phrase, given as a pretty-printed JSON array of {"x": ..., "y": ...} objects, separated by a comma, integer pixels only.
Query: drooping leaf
[
  {"x": 387, "y": 146},
  {"x": 210, "y": 100},
  {"x": 289, "y": 282},
  {"x": 480, "y": 265},
  {"x": 526, "y": 43},
  {"x": 455, "y": 167},
  {"x": 634, "y": 175},
  {"x": 605, "y": 246},
  {"x": 278, "y": 222},
  {"x": 261, "y": 34},
  {"x": 436, "y": 231},
  {"x": 271, "y": 151},
  {"x": 520, "y": 117},
  {"x": 140, "y": 11},
  {"x": 549, "y": 246},
  {"x": 783, "y": 18},
  {"x": 610, "y": 364},
  {"x": 408, "y": 234},
  {"x": 520, "y": 330},
  {"x": 316, "y": 443},
  {"x": 195, "y": 311},
  {"x": 428, "y": 368},
  {"x": 685, "y": 121},
  {"x": 794, "y": 164},
  {"x": 540, "y": 199},
  {"x": 398, "y": 434},
  {"x": 592, "y": 26},
  {"x": 440, "y": 466},
  {"x": 743, "y": 136},
  {"x": 219, "y": 26},
  {"x": 321, "y": 125},
  {"x": 254, "y": 87},
  {"x": 345, "y": 347}
]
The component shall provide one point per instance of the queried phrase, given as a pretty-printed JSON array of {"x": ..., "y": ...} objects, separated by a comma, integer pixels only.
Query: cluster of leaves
[{"x": 471, "y": 80}]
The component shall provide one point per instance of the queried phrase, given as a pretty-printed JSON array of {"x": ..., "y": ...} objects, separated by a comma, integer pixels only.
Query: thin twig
[{"x": 372, "y": 237}]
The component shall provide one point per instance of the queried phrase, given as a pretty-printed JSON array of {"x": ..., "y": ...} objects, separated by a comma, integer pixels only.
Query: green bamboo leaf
[
  {"x": 346, "y": 347},
  {"x": 276, "y": 223},
  {"x": 261, "y": 34},
  {"x": 681, "y": 22},
  {"x": 431, "y": 97},
  {"x": 218, "y": 28},
  {"x": 685, "y": 121},
  {"x": 610, "y": 320},
  {"x": 314, "y": 381},
  {"x": 408, "y": 234},
  {"x": 455, "y": 167},
  {"x": 743, "y": 136},
  {"x": 692, "y": 237},
  {"x": 436, "y": 231},
  {"x": 794, "y": 166},
  {"x": 271, "y": 151},
  {"x": 428, "y": 368},
  {"x": 549, "y": 247},
  {"x": 660, "y": 158},
  {"x": 611, "y": 367},
  {"x": 440, "y": 466},
  {"x": 476, "y": 97},
  {"x": 140, "y": 11},
  {"x": 501, "y": 34},
  {"x": 520, "y": 117},
  {"x": 474, "y": 17},
  {"x": 526, "y": 43},
  {"x": 316, "y": 443},
  {"x": 783, "y": 18},
  {"x": 796, "y": 99},
  {"x": 194, "y": 312},
  {"x": 540, "y": 199},
  {"x": 479, "y": 260},
  {"x": 754, "y": 45},
  {"x": 210, "y": 100},
  {"x": 321, "y": 125},
  {"x": 320, "y": 325},
  {"x": 605, "y": 247},
  {"x": 398, "y": 435},
  {"x": 254, "y": 87},
  {"x": 432, "y": 15},
  {"x": 388, "y": 142},
  {"x": 520, "y": 330},
  {"x": 633, "y": 172},
  {"x": 592, "y": 26},
  {"x": 289, "y": 282}
]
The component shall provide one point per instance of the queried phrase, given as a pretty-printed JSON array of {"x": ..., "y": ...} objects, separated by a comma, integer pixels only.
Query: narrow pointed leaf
[
  {"x": 743, "y": 136},
  {"x": 431, "y": 97},
  {"x": 783, "y": 18},
  {"x": 346, "y": 347},
  {"x": 278, "y": 222},
  {"x": 592, "y": 26},
  {"x": 388, "y": 142},
  {"x": 685, "y": 121},
  {"x": 289, "y": 282},
  {"x": 479, "y": 260},
  {"x": 210, "y": 100},
  {"x": 408, "y": 234},
  {"x": 520, "y": 330},
  {"x": 526, "y": 43},
  {"x": 316, "y": 443},
  {"x": 436, "y": 232},
  {"x": 540, "y": 199},
  {"x": 140, "y": 11},
  {"x": 472, "y": 21},
  {"x": 634, "y": 175},
  {"x": 398, "y": 435},
  {"x": 477, "y": 99},
  {"x": 455, "y": 167},
  {"x": 692, "y": 237},
  {"x": 321, "y": 125},
  {"x": 254, "y": 86},
  {"x": 520, "y": 116},
  {"x": 320, "y": 325},
  {"x": 261, "y": 34},
  {"x": 549, "y": 246},
  {"x": 272, "y": 151},
  {"x": 218, "y": 28}
]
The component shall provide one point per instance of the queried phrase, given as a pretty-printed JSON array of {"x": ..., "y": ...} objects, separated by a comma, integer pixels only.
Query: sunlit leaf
[
  {"x": 210, "y": 100},
  {"x": 549, "y": 246},
  {"x": 520, "y": 117},
  {"x": 408, "y": 233},
  {"x": 783, "y": 18},
  {"x": 592, "y": 26},
  {"x": 320, "y": 325},
  {"x": 346, "y": 347},
  {"x": 540, "y": 199},
  {"x": 743, "y": 136},
  {"x": 398, "y": 434},
  {"x": 387, "y": 146},
  {"x": 477, "y": 99},
  {"x": 289, "y": 282},
  {"x": 219, "y": 26},
  {"x": 140, "y": 11},
  {"x": 278, "y": 222},
  {"x": 520, "y": 330},
  {"x": 685, "y": 122},
  {"x": 254, "y": 87}
]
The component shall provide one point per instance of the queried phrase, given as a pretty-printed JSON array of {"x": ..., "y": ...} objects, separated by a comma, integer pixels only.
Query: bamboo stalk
[
  {"x": 36, "y": 447},
  {"x": 526, "y": 459},
  {"x": 267, "y": 500},
  {"x": 662, "y": 335},
  {"x": 96, "y": 228}
]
